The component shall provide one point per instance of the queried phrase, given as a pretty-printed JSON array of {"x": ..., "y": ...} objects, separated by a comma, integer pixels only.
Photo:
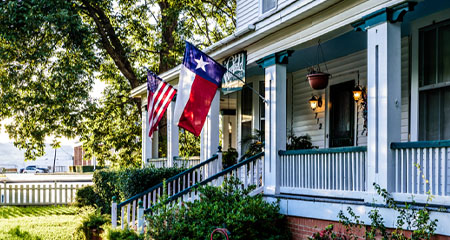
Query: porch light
[
  {"x": 357, "y": 92},
  {"x": 315, "y": 101}
]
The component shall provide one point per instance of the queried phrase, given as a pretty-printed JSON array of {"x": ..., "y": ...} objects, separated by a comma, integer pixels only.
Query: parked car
[{"x": 34, "y": 169}]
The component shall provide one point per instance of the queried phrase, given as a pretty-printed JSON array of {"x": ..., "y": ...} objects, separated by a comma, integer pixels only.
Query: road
[{"x": 47, "y": 177}]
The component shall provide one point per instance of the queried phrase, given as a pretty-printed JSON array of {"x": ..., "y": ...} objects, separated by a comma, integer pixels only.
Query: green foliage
[
  {"x": 16, "y": 233},
  {"x": 189, "y": 144},
  {"x": 50, "y": 49},
  {"x": 328, "y": 234},
  {"x": 125, "y": 183},
  {"x": 409, "y": 218},
  {"x": 86, "y": 196},
  {"x": 255, "y": 143},
  {"x": 119, "y": 234},
  {"x": 299, "y": 142},
  {"x": 229, "y": 158},
  {"x": 91, "y": 224},
  {"x": 227, "y": 206}
]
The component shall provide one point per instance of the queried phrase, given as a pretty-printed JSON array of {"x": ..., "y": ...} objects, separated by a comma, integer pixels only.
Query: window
[
  {"x": 246, "y": 112},
  {"x": 267, "y": 5},
  {"x": 434, "y": 82}
]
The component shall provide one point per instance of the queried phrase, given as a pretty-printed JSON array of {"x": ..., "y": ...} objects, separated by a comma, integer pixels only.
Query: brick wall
[{"x": 302, "y": 228}]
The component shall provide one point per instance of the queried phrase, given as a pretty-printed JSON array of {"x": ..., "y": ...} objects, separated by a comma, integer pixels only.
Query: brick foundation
[{"x": 302, "y": 228}]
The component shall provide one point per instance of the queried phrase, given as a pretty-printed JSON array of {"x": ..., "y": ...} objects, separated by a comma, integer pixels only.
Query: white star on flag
[{"x": 201, "y": 64}]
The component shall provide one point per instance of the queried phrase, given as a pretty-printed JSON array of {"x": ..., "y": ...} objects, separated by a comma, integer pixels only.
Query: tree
[{"x": 51, "y": 51}]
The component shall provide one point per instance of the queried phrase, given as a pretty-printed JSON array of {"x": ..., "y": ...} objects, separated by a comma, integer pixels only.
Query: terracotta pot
[
  {"x": 318, "y": 81},
  {"x": 96, "y": 233}
]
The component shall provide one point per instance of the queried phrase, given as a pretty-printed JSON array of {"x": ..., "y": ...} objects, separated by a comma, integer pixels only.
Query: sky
[{"x": 95, "y": 93}]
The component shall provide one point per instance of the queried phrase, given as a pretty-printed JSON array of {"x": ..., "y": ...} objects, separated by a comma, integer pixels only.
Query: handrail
[
  {"x": 156, "y": 159},
  {"x": 324, "y": 150},
  {"x": 421, "y": 144},
  {"x": 190, "y": 170},
  {"x": 215, "y": 176}
]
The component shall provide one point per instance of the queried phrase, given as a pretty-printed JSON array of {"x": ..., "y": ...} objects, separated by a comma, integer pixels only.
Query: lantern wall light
[{"x": 315, "y": 102}]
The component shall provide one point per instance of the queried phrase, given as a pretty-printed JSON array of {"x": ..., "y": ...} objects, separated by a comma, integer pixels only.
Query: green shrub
[
  {"x": 299, "y": 142},
  {"x": 228, "y": 206},
  {"x": 91, "y": 224},
  {"x": 119, "y": 234},
  {"x": 86, "y": 196},
  {"x": 125, "y": 183}
]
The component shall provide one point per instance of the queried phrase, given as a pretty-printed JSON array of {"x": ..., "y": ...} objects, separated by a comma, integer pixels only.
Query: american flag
[{"x": 159, "y": 95}]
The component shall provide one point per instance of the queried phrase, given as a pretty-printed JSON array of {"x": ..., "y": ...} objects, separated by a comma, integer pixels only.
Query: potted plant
[{"x": 317, "y": 80}]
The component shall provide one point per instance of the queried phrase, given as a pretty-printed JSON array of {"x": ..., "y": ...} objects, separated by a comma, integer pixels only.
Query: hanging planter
[{"x": 318, "y": 80}]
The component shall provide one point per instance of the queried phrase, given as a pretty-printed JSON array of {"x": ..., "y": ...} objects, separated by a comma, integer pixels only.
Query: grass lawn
[{"x": 38, "y": 222}]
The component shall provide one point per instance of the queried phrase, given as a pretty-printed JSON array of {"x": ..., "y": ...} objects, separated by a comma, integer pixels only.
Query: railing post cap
[
  {"x": 141, "y": 204},
  {"x": 220, "y": 148},
  {"x": 114, "y": 198}
]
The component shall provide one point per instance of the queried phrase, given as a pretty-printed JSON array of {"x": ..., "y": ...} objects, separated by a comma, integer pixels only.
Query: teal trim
[
  {"x": 190, "y": 170},
  {"x": 215, "y": 176},
  {"x": 393, "y": 15},
  {"x": 275, "y": 58},
  {"x": 324, "y": 150},
  {"x": 420, "y": 144}
]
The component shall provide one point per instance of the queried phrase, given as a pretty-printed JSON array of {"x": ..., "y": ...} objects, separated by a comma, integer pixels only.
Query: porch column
[
  {"x": 384, "y": 101},
  {"x": 275, "y": 109},
  {"x": 146, "y": 140},
  {"x": 172, "y": 135},
  {"x": 209, "y": 137}
]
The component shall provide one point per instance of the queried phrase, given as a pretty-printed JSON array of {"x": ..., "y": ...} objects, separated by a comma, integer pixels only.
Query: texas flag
[{"x": 200, "y": 76}]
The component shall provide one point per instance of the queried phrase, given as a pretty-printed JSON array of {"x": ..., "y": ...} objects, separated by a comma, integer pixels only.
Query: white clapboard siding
[
  {"x": 247, "y": 11},
  {"x": 405, "y": 90},
  {"x": 344, "y": 69}
]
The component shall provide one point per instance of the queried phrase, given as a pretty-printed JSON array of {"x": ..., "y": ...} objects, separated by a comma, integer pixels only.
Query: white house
[{"x": 398, "y": 137}]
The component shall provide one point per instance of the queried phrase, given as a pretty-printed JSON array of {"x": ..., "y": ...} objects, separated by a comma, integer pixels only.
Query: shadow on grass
[
  {"x": 16, "y": 233},
  {"x": 35, "y": 211}
]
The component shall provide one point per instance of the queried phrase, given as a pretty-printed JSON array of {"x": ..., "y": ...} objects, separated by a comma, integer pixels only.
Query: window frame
[
  {"x": 261, "y": 13},
  {"x": 416, "y": 27}
]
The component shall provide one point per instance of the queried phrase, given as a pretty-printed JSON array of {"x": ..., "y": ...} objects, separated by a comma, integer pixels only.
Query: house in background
[
  {"x": 78, "y": 156},
  {"x": 397, "y": 134}
]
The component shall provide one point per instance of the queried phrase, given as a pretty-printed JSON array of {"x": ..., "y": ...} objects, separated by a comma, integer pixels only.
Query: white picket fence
[{"x": 22, "y": 194}]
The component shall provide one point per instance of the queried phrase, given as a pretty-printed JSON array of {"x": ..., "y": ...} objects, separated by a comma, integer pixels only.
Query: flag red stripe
[
  {"x": 158, "y": 103},
  {"x": 164, "y": 107},
  {"x": 200, "y": 98}
]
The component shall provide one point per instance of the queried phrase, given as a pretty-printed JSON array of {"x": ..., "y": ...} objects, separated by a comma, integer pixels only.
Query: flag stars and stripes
[{"x": 159, "y": 96}]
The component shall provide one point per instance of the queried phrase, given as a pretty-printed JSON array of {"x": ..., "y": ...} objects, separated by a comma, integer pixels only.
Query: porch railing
[
  {"x": 422, "y": 167},
  {"x": 157, "y": 162},
  {"x": 312, "y": 171},
  {"x": 249, "y": 172},
  {"x": 186, "y": 179},
  {"x": 186, "y": 162}
]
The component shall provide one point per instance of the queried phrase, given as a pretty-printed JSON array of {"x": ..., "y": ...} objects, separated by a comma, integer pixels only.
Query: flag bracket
[{"x": 240, "y": 79}]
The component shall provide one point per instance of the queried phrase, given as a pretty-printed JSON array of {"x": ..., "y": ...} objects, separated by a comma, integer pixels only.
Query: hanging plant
[{"x": 317, "y": 79}]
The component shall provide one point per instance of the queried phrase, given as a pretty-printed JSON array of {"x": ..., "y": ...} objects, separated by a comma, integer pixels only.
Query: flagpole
[{"x": 260, "y": 96}]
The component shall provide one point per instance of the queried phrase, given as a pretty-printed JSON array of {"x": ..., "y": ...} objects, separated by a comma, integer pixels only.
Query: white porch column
[
  {"x": 146, "y": 141},
  {"x": 172, "y": 135},
  {"x": 275, "y": 109},
  {"x": 384, "y": 101},
  {"x": 209, "y": 137}
]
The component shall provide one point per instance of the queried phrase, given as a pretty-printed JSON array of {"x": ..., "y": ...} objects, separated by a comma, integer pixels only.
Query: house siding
[
  {"x": 343, "y": 69},
  {"x": 247, "y": 11}
]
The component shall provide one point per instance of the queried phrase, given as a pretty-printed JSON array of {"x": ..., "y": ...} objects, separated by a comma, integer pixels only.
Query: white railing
[
  {"x": 129, "y": 208},
  {"x": 22, "y": 194},
  {"x": 313, "y": 171},
  {"x": 186, "y": 162},
  {"x": 157, "y": 162},
  {"x": 249, "y": 172},
  {"x": 422, "y": 167}
]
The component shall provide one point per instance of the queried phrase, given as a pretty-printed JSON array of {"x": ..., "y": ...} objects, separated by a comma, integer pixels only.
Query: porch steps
[{"x": 181, "y": 188}]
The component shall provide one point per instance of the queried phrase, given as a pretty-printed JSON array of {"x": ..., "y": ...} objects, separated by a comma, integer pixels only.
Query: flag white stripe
[
  {"x": 163, "y": 105},
  {"x": 184, "y": 91},
  {"x": 155, "y": 105}
]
